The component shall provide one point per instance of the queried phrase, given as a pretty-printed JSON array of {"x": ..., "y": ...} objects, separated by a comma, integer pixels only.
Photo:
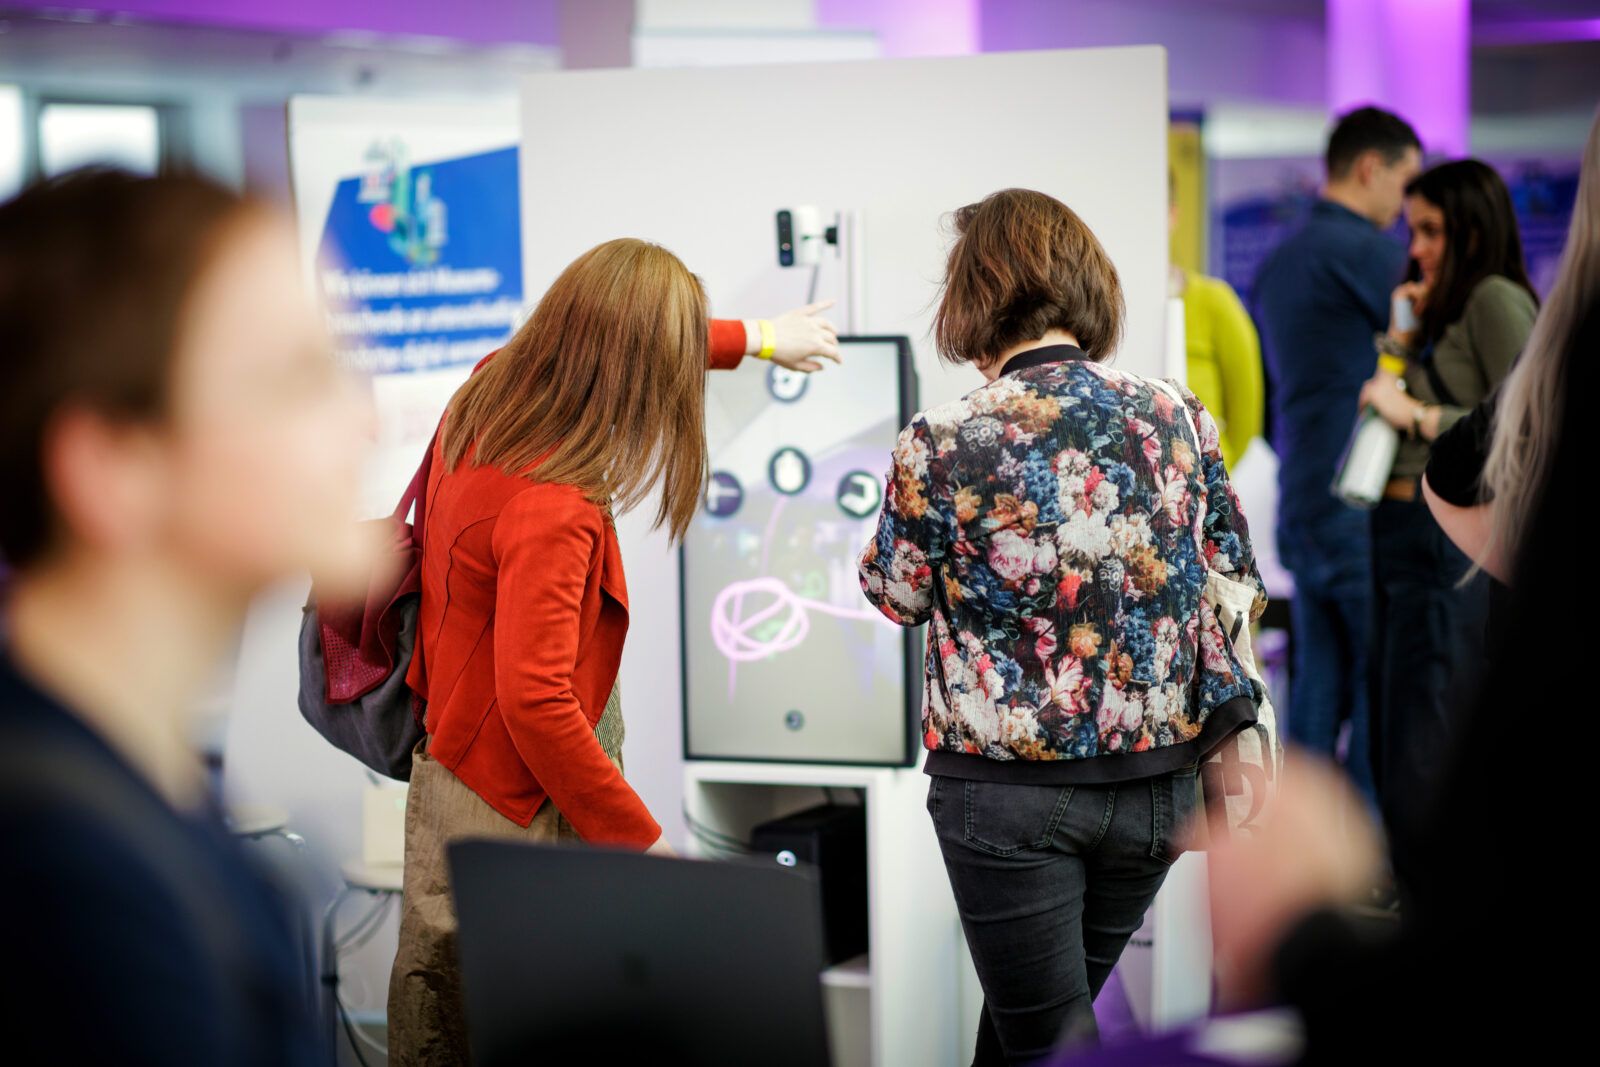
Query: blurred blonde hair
[{"x": 1527, "y": 422}]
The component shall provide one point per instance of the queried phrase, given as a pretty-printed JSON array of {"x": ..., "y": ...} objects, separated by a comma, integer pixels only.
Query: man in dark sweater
[{"x": 1318, "y": 301}]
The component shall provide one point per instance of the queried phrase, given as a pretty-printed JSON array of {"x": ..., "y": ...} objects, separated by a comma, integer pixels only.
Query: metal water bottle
[
  {"x": 1364, "y": 472},
  {"x": 1369, "y": 458}
]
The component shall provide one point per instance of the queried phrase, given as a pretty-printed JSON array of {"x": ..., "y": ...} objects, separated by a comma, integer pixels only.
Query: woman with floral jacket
[{"x": 1054, "y": 528}]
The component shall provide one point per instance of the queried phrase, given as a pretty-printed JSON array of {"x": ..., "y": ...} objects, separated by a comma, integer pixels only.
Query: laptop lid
[{"x": 580, "y": 952}]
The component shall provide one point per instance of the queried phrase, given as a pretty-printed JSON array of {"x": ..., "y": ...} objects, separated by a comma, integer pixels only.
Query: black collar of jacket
[{"x": 1040, "y": 357}]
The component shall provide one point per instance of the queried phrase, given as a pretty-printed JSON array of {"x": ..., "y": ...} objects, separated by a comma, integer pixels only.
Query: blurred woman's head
[
  {"x": 603, "y": 388},
  {"x": 1463, "y": 230},
  {"x": 1528, "y": 416},
  {"x": 1024, "y": 264},
  {"x": 168, "y": 397}
]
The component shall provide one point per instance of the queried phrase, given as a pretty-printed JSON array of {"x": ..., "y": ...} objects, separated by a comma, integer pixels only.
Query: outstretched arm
[{"x": 800, "y": 339}]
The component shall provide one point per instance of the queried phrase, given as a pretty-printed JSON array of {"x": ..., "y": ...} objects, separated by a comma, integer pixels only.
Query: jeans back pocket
[{"x": 1003, "y": 819}]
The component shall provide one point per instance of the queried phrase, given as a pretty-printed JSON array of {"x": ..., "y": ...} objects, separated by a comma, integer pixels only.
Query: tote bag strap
[
  {"x": 416, "y": 492},
  {"x": 1183, "y": 405}
]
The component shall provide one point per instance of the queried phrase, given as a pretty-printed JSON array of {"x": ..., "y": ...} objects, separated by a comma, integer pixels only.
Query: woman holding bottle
[{"x": 1473, "y": 308}]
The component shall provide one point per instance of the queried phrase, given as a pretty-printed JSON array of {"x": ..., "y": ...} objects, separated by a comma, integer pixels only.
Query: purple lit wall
[
  {"x": 908, "y": 27},
  {"x": 475, "y": 21},
  {"x": 1212, "y": 53},
  {"x": 1536, "y": 31},
  {"x": 1411, "y": 56}
]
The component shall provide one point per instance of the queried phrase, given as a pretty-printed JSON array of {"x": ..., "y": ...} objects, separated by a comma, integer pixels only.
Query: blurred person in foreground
[
  {"x": 1486, "y": 471},
  {"x": 1467, "y": 974},
  {"x": 1319, "y": 299},
  {"x": 1467, "y": 970},
  {"x": 1480, "y": 965},
  {"x": 174, "y": 436}
]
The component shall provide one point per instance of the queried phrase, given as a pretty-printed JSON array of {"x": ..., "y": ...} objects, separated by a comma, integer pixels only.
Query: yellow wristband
[
  {"x": 1393, "y": 364},
  {"x": 769, "y": 339}
]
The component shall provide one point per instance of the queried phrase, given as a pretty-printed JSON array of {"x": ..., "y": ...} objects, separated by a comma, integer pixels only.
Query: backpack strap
[{"x": 416, "y": 492}]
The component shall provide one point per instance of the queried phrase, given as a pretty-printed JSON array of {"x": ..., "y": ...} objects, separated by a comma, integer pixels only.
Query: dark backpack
[{"x": 354, "y": 655}]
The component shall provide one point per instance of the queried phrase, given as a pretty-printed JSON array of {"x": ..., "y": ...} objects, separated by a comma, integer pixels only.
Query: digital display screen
[{"x": 784, "y": 658}]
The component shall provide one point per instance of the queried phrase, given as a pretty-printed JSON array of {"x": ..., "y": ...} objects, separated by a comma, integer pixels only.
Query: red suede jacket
[{"x": 523, "y": 617}]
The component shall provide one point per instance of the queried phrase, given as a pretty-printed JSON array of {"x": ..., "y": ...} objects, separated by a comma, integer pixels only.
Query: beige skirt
[{"x": 427, "y": 1024}]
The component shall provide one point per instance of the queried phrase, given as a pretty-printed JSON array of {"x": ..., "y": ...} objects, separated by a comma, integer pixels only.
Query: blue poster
[{"x": 421, "y": 266}]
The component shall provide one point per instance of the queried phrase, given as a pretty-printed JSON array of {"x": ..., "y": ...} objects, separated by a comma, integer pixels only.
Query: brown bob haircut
[
  {"x": 96, "y": 270},
  {"x": 1025, "y": 263},
  {"x": 603, "y": 388}
]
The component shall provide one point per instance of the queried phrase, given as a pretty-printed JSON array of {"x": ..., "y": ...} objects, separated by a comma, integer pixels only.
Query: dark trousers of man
[
  {"x": 1330, "y": 613},
  {"x": 1429, "y": 654},
  {"x": 1050, "y": 882}
]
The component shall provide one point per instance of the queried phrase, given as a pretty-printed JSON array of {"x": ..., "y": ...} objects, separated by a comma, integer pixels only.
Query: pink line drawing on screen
[
  {"x": 733, "y": 632},
  {"x": 766, "y": 557},
  {"x": 734, "y": 635}
]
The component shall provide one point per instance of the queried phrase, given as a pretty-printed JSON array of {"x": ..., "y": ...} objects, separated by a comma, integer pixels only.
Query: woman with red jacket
[{"x": 594, "y": 405}]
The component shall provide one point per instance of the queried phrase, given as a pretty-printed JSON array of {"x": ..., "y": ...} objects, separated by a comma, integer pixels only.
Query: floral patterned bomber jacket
[{"x": 1055, "y": 528}]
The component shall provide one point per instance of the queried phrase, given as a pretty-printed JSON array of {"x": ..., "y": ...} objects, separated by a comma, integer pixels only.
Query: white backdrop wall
[{"x": 699, "y": 160}]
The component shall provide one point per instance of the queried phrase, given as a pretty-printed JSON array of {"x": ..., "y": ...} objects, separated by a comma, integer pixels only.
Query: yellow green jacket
[{"x": 1224, "y": 364}]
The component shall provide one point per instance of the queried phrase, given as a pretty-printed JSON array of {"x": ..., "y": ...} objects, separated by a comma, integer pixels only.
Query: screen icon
[
  {"x": 787, "y": 385},
  {"x": 724, "y": 494},
  {"x": 789, "y": 471},
  {"x": 859, "y": 494}
]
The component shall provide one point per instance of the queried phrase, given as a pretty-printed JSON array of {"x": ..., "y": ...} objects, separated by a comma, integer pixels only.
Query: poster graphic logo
[
  {"x": 421, "y": 266},
  {"x": 403, "y": 204}
]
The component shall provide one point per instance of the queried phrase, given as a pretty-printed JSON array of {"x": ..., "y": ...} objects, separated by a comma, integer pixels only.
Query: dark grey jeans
[{"x": 1050, "y": 882}]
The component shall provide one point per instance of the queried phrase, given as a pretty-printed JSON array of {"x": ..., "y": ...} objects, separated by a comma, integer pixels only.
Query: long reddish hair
[{"x": 603, "y": 388}]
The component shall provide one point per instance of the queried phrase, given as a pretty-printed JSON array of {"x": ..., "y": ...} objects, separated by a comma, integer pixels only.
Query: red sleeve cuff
[{"x": 727, "y": 343}]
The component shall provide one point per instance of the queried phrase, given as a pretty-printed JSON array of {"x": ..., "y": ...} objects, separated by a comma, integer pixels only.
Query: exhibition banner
[
  {"x": 411, "y": 236},
  {"x": 421, "y": 265}
]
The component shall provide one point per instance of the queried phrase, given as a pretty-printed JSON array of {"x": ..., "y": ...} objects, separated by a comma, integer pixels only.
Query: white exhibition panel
[
  {"x": 605, "y": 154},
  {"x": 700, "y": 159}
]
